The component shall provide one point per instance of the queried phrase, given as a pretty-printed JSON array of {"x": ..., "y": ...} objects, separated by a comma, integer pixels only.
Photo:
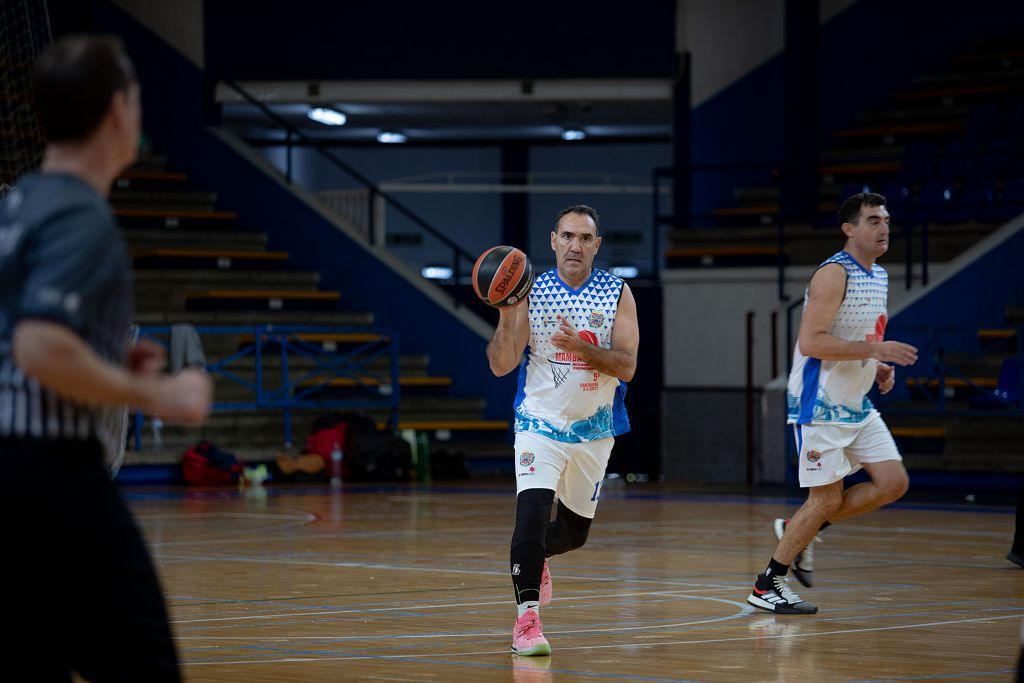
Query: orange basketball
[{"x": 502, "y": 276}]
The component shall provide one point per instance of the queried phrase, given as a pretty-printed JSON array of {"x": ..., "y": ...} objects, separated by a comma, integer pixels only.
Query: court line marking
[
  {"x": 616, "y": 646},
  {"x": 405, "y": 608},
  {"x": 966, "y": 674}
]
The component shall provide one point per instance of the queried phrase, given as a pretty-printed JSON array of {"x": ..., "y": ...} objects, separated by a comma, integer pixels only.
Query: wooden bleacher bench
[
  {"x": 996, "y": 334},
  {"x": 902, "y": 128},
  {"x": 159, "y": 213},
  {"x": 763, "y": 210},
  {"x": 451, "y": 425},
  {"x": 954, "y": 382},
  {"x": 321, "y": 337},
  {"x": 919, "y": 432},
  {"x": 863, "y": 168},
  {"x": 408, "y": 381},
  {"x": 263, "y": 294},
  {"x": 143, "y": 174},
  {"x": 697, "y": 252},
  {"x": 211, "y": 253},
  {"x": 957, "y": 91}
]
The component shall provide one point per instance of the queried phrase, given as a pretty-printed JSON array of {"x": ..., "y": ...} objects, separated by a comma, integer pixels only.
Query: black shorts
[{"x": 80, "y": 590}]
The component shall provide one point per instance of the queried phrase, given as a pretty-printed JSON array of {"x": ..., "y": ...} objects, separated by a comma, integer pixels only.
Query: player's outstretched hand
[{"x": 894, "y": 352}]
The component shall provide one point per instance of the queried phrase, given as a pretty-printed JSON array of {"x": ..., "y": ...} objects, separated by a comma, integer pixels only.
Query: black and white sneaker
[
  {"x": 779, "y": 597},
  {"x": 803, "y": 563}
]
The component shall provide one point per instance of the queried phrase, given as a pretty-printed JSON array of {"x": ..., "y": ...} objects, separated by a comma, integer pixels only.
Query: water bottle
[
  {"x": 336, "y": 458},
  {"x": 158, "y": 426}
]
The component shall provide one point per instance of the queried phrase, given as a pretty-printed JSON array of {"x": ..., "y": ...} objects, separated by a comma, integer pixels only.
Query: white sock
[{"x": 529, "y": 604}]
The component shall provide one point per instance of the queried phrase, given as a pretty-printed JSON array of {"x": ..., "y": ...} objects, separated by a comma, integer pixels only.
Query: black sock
[
  {"x": 824, "y": 525},
  {"x": 775, "y": 569}
]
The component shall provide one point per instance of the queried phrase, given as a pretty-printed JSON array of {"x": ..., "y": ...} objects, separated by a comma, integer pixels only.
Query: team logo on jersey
[
  {"x": 526, "y": 458},
  {"x": 813, "y": 456},
  {"x": 596, "y": 319}
]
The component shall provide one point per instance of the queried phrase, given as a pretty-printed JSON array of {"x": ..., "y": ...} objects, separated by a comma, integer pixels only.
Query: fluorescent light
[
  {"x": 328, "y": 117},
  {"x": 573, "y": 134},
  {"x": 625, "y": 271},
  {"x": 437, "y": 272},
  {"x": 390, "y": 137}
]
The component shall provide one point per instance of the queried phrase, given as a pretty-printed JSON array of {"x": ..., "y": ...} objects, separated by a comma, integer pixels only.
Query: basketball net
[{"x": 24, "y": 34}]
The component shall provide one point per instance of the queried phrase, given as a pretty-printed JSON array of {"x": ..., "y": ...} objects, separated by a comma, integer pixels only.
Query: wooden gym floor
[{"x": 411, "y": 584}]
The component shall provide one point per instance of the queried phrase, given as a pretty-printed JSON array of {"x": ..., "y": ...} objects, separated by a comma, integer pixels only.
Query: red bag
[{"x": 206, "y": 465}]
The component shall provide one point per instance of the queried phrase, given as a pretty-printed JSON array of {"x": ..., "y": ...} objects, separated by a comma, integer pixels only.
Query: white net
[{"x": 24, "y": 34}]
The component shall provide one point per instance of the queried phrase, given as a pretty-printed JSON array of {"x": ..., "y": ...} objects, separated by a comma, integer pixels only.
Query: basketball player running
[
  {"x": 839, "y": 355},
  {"x": 82, "y": 593},
  {"x": 581, "y": 328}
]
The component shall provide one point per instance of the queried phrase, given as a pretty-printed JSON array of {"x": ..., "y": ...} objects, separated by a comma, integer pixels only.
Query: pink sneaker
[
  {"x": 528, "y": 636},
  {"x": 545, "y": 586}
]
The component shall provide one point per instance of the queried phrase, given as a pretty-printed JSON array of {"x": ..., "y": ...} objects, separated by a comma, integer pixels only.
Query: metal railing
[
  {"x": 375, "y": 192},
  {"x": 300, "y": 381}
]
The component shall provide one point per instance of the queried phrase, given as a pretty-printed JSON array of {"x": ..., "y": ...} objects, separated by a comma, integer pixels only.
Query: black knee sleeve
[
  {"x": 568, "y": 532},
  {"x": 533, "y": 509}
]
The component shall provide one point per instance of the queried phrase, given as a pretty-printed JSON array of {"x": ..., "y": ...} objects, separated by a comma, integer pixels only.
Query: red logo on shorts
[{"x": 813, "y": 456}]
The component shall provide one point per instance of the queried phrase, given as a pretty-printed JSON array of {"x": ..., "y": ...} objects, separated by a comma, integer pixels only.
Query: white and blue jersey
[
  {"x": 561, "y": 396},
  {"x": 835, "y": 391}
]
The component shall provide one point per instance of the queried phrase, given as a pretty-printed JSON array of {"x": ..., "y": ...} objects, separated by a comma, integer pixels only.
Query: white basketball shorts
[
  {"x": 574, "y": 471},
  {"x": 829, "y": 452}
]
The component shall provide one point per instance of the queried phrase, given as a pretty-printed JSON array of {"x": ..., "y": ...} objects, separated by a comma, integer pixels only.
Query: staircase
[{"x": 193, "y": 263}]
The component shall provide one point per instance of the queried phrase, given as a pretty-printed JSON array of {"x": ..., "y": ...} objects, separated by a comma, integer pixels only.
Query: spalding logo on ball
[{"x": 502, "y": 276}]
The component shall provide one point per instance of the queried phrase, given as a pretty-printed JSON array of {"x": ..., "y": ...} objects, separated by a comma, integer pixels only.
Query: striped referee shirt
[{"x": 61, "y": 260}]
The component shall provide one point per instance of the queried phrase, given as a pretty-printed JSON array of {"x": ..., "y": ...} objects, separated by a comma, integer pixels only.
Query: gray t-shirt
[{"x": 62, "y": 260}]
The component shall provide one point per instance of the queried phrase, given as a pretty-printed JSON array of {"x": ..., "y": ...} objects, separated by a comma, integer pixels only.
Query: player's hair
[
  {"x": 849, "y": 211},
  {"x": 74, "y": 82},
  {"x": 581, "y": 209}
]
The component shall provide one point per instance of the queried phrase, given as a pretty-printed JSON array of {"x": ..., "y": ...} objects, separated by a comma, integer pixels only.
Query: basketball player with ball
[{"x": 574, "y": 338}]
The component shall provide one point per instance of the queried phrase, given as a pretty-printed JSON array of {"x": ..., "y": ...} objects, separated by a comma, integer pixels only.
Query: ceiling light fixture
[
  {"x": 390, "y": 137},
  {"x": 328, "y": 117},
  {"x": 573, "y": 134}
]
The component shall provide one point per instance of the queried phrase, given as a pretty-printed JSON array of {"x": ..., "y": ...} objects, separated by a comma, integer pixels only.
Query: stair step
[
  {"x": 163, "y": 238},
  {"x": 953, "y": 382},
  {"x": 919, "y": 432},
  {"x": 958, "y": 93},
  {"x": 912, "y": 114},
  {"x": 285, "y": 317},
  {"x": 995, "y": 334},
  {"x": 223, "y": 259},
  {"x": 365, "y": 380},
  {"x": 150, "y": 180},
  {"x": 173, "y": 217},
  {"x": 225, "y": 279},
  {"x": 125, "y": 198}
]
